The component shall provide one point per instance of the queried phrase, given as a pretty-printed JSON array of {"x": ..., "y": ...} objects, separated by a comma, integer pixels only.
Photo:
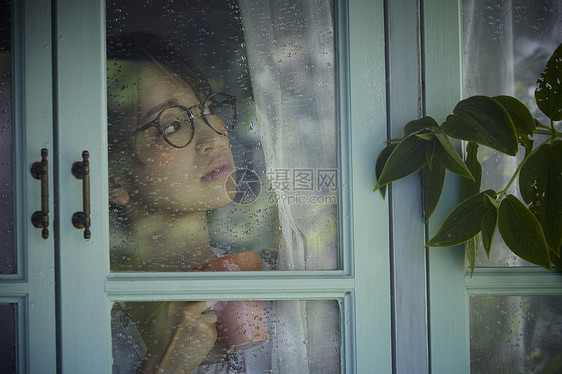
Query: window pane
[
  {"x": 506, "y": 45},
  {"x": 515, "y": 334},
  {"x": 222, "y": 133},
  {"x": 257, "y": 336},
  {"x": 7, "y": 338},
  {"x": 7, "y": 245}
]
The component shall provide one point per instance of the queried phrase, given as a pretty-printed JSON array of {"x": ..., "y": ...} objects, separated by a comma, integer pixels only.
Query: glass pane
[
  {"x": 516, "y": 334},
  {"x": 7, "y": 245},
  {"x": 227, "y": 337},
  {"x": 222, "y": 133},
  {"x": 506, "y": 45},
  {"x": 7, "y": 338}
]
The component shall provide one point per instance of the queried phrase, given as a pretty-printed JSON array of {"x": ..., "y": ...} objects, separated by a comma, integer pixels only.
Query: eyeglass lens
[
  {"x": 220, "y": 112},
  {"x": 217, "y": 111}
]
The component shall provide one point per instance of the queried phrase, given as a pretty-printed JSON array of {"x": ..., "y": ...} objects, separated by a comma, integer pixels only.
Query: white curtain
[
  {"x": 488, "y": 69},
  {"x": 488, "y": 47},
  {"x": 290, "y": 47},
  {"x": 506, "y": 44}
]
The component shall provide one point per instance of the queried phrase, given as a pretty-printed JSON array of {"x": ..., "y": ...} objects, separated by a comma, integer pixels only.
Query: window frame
[
  {"x": 450, "y": 283},
  {"x": 30, "y": 289},
  {"x": 361, "y": 287}
]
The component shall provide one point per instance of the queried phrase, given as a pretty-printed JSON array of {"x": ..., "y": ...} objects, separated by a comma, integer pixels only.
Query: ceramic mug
[{"x": 242, "y": 324}]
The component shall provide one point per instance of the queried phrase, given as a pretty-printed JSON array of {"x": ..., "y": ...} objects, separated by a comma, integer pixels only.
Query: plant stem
[
  {"x": 552, "y": 133},
  {"x": 542, "y": 126},
  {"x": 504, "y": 191}
]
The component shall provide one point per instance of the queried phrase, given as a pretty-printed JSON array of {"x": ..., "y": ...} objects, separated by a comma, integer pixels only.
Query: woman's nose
[{"x": 206, "y": 138}]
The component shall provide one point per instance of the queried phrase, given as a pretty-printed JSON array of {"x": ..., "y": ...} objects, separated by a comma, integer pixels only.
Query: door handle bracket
[{"x": 81, "y": 170}]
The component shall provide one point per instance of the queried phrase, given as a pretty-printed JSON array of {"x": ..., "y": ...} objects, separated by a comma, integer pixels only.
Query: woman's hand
[{"x": 193, "y": 338}]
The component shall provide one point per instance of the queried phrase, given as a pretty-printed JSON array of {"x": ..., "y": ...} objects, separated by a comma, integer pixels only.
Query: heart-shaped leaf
[
  {"x": 449, "y": 158},
  {"x": 381, "y": 162},
  {"x": 540, "y": 182},
  {"x": 549, "y": 87},
  {"x": 430, "y": 153},
  {"x": 432, "y": 181},
  {"x": 424, "y": 123},
  {"x": 406, "y": 158},
  {"x": 489, "y": 225},
  {"x": 483, "y": 120},
  {"x": 471, "y": 248},
  {"x": 464, "y": 222},
  {"x": 522, "y": 119},
  {"x": 471, "y": 187},
  {"x": 522, "y": 232}
]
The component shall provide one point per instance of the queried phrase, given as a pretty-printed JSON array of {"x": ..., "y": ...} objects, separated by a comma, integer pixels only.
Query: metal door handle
[
  {"x": 81, "y": 170},
  {"x": 40, "y": 170}
]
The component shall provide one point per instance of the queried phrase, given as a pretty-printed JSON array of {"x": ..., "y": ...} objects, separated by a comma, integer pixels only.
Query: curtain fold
[{"x": 290, "y": 48}]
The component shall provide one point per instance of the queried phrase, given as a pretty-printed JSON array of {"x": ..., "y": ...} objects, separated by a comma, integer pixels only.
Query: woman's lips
[{"x": 219, "y": 169}]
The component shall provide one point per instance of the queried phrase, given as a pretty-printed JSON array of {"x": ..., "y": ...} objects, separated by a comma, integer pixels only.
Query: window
[{"x": 355, "y": 283}]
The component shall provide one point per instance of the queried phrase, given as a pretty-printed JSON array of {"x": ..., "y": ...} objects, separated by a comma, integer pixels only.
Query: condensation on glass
[
  {"x": 222, "y": 133},
  {"x": 7, "y": 244},
  {"x": 506, "y": 45},
  {"x": 516, "y": 334},
  {"x": 222, "y": 157},
  {"x": 7, "y": 338},
  {"x": 243, "y": 336}
]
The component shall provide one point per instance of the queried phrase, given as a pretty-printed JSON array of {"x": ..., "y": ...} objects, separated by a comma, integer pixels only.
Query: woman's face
[{"x": 178, "y": 179}]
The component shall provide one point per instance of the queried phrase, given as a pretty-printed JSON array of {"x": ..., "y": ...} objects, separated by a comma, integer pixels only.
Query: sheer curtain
[
  {"x": 506, "y": 44},
  {"x": 488, "y": 69},
  {"x": 290, "y": 47}
]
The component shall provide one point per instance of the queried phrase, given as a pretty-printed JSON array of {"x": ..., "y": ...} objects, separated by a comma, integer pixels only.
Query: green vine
[{"x": 531, "y": 226}]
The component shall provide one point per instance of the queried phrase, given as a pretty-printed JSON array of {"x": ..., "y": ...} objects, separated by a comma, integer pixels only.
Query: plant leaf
[
  {"x": 522, "y": 232},
  {"x": 432, "y": 182},
  {"x": 549, "y": 87},
  {"x": 471, "y": 187},
  {"x": 427, "y": 136},
  {"x": 540, "y": 182},
  {"x": 489, "y": 225},
  {"x": 424, "y": 123},
  {"x": 449, "y": 158},
  {"x": 464, "y": 222},
  {"x": 556, "y": 260},
  {"x": 522, "y": 119},
  {"x": 471, "y": 248},
  {"x": 381, "y": 162},
  {"x": 429, "y": 153},
  {"x": 406, "y": 158},
  {"x": 483, "y": 120}
]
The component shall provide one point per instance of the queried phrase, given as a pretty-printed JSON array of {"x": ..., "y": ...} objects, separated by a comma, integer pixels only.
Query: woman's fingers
[{"x": 194, "y": 337}]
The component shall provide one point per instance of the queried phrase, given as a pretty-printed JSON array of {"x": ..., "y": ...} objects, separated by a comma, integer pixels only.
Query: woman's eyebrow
[{"x": 149, "y": 115}]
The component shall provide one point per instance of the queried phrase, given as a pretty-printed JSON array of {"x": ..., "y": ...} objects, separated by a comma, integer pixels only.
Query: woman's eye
[
  {"x": 208, "y": 110},
  {"x": 171, "y": 128}
]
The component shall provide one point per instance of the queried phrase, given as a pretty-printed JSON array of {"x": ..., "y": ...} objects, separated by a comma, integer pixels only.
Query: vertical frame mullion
[
  {"x": 407, "y": 230},
  {"x": 448, "y": 308},
  {"x": 371, "y": 268}
]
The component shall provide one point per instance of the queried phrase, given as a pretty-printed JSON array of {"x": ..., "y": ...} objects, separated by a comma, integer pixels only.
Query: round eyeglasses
[{"x": 176, "y": 123}]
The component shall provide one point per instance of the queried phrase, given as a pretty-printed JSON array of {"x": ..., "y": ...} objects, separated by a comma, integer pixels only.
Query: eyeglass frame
[{"x": 155, "y": 121}]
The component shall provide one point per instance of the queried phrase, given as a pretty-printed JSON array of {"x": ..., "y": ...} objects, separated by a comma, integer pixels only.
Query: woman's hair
[
  {"x": 141, "y": 46},
  {"x": 126, "y": 55}
]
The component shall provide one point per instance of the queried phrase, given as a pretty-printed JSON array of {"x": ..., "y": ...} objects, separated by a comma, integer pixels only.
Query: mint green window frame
[
  {"x": 85, "y": 284},
  {"x": 450, "y": 285},
  {"x": 31, "y": 288}
]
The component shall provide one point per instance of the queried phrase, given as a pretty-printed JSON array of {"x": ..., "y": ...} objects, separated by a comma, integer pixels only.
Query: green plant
[{"x": 531, "y": 228}]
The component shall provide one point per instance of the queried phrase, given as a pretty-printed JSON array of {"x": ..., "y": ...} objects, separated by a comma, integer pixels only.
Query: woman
[{"x": 170, "y": 160}]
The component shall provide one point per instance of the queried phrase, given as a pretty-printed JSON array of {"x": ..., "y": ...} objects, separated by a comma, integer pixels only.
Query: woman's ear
[{"x": 118, "y": 195}]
